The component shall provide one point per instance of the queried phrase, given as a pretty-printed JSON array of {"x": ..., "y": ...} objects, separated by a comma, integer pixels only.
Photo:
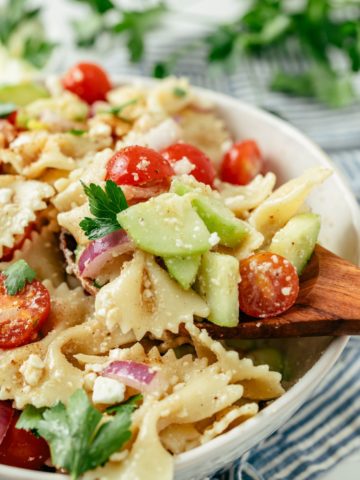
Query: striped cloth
[{"x": 324, "y": 431}]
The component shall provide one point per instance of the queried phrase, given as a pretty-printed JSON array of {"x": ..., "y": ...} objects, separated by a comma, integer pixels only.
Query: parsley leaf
[
  {"x": 179, "y": 92},
  {"x": 104, "y": 205},
  {"x": 77, "y": 132},
  {"x": 21, "y": 25},
  {"x": 6, "y": 109},
  {"x": 37, "y": 51},
  {"x": 77, "y": 443},
  {"x": 99, "y": 6},
  {"x": 17, "y": 275},
  {"x": 129, "y": 404}
]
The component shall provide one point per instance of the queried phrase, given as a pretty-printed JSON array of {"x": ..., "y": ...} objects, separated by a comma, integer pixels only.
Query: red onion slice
[
  {"x": 102, "y": 250},
  {"x": 133, "y": 374},
  {"x": 6, "y": 414}
]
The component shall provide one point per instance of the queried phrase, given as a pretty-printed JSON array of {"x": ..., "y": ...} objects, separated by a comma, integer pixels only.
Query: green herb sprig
[
  {"x": 133, "y": 25},
  {"x": 104, "y": 205},
  {"x": 317, "y": 29},
  {"x": 17, "y": 276},
  {"x": 16, "y": 19},
  {"x": 77, "y": 442}
]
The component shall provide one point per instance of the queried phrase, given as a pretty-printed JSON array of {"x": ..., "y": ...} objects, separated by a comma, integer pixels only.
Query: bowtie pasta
[{"x": 127, "y": 214}]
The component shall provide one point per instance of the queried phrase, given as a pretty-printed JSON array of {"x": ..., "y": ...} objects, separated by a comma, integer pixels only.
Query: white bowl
[{"x": 289, "y": 153}]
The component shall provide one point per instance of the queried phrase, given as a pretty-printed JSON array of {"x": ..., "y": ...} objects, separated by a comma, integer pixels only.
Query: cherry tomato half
[
  {"x": 8, "y": 252},
  {"x": 22, "y": 449},
  {"x": 22, "y": 315},
  {"x": 138, "y": 166},
  {"x": 269, "y": 285},
  {"x": 88, "y": 81},
  {"x": 241, "y": 163},
  {"x": 203, "y": 171}
]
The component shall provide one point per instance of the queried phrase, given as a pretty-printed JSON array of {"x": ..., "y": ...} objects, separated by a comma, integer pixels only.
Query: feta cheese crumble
[
  {"x": 108, "y": 391},
  {"x": 214, "y": 239}
]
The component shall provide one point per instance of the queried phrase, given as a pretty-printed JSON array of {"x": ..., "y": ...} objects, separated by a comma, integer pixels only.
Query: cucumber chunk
[
  {"x": 167, "y": 226},
  {"x": 22, "y": 93},
  {"x": 296, "y": 241},
  {"x": 216, "y": 216},
  {"x": 183, "y": 269},
  {"x": 268, "y": 356},
  {"x": 217, "y": 283}
]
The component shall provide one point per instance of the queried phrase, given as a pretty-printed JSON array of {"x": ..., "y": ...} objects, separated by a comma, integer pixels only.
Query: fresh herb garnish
[
  {"x": 7, "y": 109},
  {"x": 133, "y": 25},
  {"x": 179, "y": 92},
  {"x": 104, "y": 205},
  {"x": 130, "y": 403},
  {"x": 77, "y": 442},
  {"x": 17, "y": 275},
  {"x": 23, "y": 22},
  {"x": 317, "y": 29},
  {"x": 77, "y": 132}
]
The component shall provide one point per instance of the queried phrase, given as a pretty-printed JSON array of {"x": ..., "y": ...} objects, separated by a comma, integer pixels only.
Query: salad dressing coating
[{"x": 203, "y": 388}]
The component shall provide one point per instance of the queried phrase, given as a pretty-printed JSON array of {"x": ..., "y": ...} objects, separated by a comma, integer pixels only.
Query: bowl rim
[{"x": 258, "y": 423}]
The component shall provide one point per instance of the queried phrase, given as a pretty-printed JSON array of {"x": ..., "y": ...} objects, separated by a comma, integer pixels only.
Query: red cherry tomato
[
  {"x": 22, "y": 315},
  {"x": 12, "y": 118},
  {"x": 204, "y": 170},
  {"x": 241, "y": 163},
  {"x": 269, "y": 285},
  {"x": 138, "y": 166},
  {"x": 88, "y": 81},
  {"x": 22, "y": 449},
  {"x": 8, "y": 252}
]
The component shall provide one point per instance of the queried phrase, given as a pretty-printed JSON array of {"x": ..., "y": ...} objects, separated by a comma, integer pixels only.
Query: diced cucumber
[
  {"x": 183, "y": 269},
  {"x": 22, "y": 93},
  {"x": 240, "y": 344},
  {"x": 216, "y": 216},
  {"x": 217, "y": 283},
  {"x": 167, "y": 226},
  {"x": 268, "y": 356},
  {"x": 296, "y": 241}
]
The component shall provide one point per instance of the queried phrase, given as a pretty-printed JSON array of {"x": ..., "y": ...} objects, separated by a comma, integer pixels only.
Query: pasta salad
[{"x": 128, "y": 214}]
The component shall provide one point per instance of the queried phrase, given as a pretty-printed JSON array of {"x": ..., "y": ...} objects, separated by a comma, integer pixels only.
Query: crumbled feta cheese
[
  {"x": 108, "y": 391},
  {"x": 214, "y": 239},
  {"x": 183, "y": 167},
  {"x": 32, "y": 369},
  {"x": 286, "y": 291},
  {"x": 143, "y": 164}
]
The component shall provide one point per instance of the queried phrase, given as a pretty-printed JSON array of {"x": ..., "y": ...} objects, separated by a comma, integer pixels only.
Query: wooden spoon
[{"x": 328, "y": 304}]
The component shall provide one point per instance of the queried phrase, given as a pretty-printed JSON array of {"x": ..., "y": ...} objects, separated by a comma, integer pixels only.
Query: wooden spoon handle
[{"x": 328, "y": 304}]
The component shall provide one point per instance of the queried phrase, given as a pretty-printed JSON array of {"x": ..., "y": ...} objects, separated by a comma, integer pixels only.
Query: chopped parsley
[
  {"x": 17, "y": 275},
  {"x": 79, "y": 436},
  {"x": 117, "y": 109},
  {"x": 77, "y": 132},
  {"x": 179, "y": 92},
  {"x": 104, "y": 205}
]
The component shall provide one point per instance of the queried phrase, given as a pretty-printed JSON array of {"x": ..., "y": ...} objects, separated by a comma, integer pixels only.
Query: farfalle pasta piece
[
  {"x": 227, "y": 417},
  {"x": 20, "y": 200},
  {"x": 259, "y": 383},
  {"x": 286, "y": 201},
  {"x": 206, "y": 131},
  {"x": 154, "y": 302},
  {"x": 70, "y": 191},
  {"x": 59, "y": 378},
  {"x": 41, "y": 252},
  {"x": 243, "y": 198},
  {"x": 148, "y": 458}
]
